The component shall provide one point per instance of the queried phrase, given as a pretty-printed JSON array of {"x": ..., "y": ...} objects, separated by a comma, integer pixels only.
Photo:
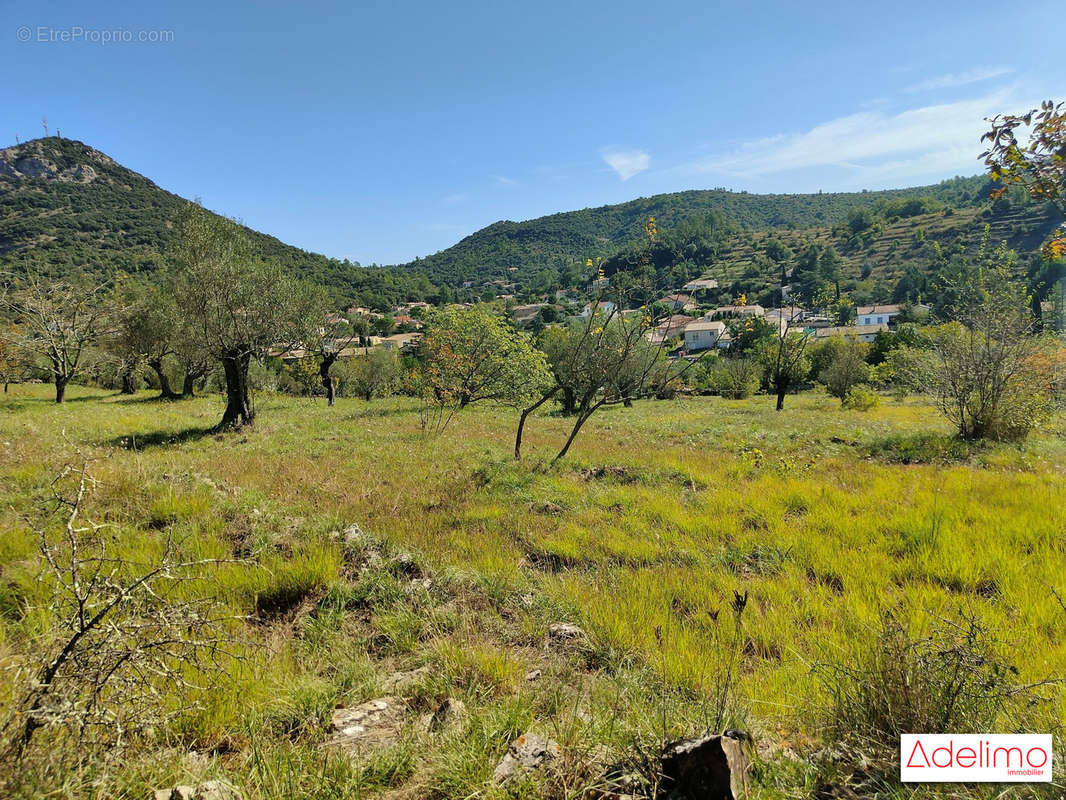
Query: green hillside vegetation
[
  {"x": 67, "y": 209},
  {"x": 873, "y": 264},
  {"x": 563, "y": 240},
  {"x": 86, "y": 215}
]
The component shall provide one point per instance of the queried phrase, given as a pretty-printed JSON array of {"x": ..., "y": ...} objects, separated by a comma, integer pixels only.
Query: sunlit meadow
[{"x": 640, "y": 536}]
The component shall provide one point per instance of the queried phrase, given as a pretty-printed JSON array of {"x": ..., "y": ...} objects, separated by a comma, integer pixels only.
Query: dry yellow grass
[{"x": 662, "y": 511}]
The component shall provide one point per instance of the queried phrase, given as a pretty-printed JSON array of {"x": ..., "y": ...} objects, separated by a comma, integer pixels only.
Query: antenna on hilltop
[
  {"x": 17, "y": 139},
  {"x": 44, "y": 121}
]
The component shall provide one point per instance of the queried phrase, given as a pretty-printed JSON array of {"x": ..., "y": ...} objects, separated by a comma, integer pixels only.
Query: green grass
[{"x": 825, "y": 516}]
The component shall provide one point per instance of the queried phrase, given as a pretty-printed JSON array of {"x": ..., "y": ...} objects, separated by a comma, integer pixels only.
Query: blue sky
[{"x": 378, "y": 132}]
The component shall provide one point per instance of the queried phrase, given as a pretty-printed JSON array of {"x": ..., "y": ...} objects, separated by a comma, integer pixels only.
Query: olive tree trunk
[
  {"x": 525, "y": 413},
  {"x": 165, "y": 392},
  {"x": 128, "y": 386},
  {"x": 239, "y": 410},
  {"x": 324, "y": 367}
]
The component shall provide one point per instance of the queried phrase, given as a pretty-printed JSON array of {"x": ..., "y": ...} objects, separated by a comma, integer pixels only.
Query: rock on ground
[
  {"x": 710, "y": 768},
  {"x": 565, "y": 632},
  {"x": 450, "y": 717},
  {"x": 208, "y": 790},
  {"x": 368, "y": 725},
  {"x": 406, "y": 680},
  {"x": 526, "y": 753}
]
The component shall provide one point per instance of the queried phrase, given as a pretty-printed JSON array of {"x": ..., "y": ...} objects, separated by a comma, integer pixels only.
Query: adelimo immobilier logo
[{"x": 973, "y": 758}]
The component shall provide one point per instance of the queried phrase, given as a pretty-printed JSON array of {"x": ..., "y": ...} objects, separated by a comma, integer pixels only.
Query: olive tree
[
  {"x": 193, "y": 357},
  {"x": 470, "y": 355},
  {"x": 374, "y": 374},
  {"x": 240, "y": 305},
  {"x": 146, "y": 328},
  {"x": 847, "y": 369},
  {"x": 327, "y": 341},
  {"x": 58, "y": 322},
  {"x": 605, "y": 359}
]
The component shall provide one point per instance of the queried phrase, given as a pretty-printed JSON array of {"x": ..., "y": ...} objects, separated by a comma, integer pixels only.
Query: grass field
[{"x": 658, "y": 515}]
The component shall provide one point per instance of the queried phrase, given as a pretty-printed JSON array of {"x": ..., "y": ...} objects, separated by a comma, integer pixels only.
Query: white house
[
  {"x": 702, "y": 284},
  {"x": 876, "y": 315},
  {"x": 864, "y": 333},
  {"x": 605, "y": 307},
  {"x": 703, "y": 334},
  {"x": 738, "y": 311}
]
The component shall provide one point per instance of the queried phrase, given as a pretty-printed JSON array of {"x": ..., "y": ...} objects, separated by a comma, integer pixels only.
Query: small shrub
[
  {"x": 847, "y": 369},
  {"x": 862, "y": 399},
  {"x": 735, "y": 378},
  {"x": 953, "y": 680}
]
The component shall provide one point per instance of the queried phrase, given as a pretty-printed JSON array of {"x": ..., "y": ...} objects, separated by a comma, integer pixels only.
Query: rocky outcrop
[{"x": 36, "y": 160}]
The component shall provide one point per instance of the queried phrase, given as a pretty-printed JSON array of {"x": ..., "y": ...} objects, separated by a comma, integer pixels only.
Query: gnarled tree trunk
[
  {"x": 324, "y": 367},
  {"x": 239, "y": 410},
  {"x": 569, "y": 400},
  {"x": 165, "y": 392},
  {"x": 192, "y": 375},
  {"x": 61, "y": 387},
  {"x": 128, "y": 386}
]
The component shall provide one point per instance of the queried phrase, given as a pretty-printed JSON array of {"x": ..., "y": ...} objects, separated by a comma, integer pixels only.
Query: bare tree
[
  {"x": 58, "y": 321},
  {"x": 12, "y": 358},
  {"x": 124, "y": 632}
]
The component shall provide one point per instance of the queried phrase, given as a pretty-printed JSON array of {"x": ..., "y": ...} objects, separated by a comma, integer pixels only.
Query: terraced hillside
[
  {"x": 559, "y": 241},
  {"x": 872, "y": 270}
]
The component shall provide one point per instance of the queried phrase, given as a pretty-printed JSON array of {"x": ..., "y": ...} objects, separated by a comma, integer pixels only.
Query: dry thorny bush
[{"x": 130, "y": 644}]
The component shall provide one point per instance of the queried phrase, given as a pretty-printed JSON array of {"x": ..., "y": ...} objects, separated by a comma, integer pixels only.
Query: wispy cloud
[
  {"x": 956, "y": 79},
  {"x": 626, "y": 163},
  {"x": 931, "y": 139},
  {"x": 455, "y": 199},
  {"x": 503, "y": 180}
]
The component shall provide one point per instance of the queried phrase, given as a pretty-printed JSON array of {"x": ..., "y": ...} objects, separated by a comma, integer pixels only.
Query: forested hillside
[
  {"x": 66, "y": 208},
  {"x": 561, "y": 240}
]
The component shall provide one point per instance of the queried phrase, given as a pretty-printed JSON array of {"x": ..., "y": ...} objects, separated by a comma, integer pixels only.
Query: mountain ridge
[{"x": 68, "y": 208}]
